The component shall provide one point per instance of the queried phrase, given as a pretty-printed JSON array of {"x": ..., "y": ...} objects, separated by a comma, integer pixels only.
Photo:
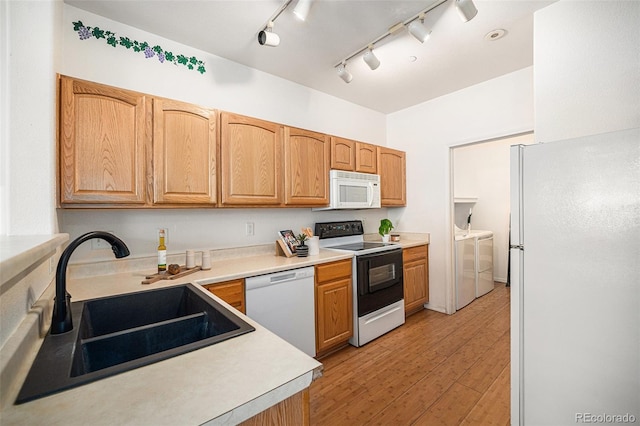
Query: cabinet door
[
  {"x": 104, "y": 132},
  {"x": 250, "y": 161},
  {"x": 392, "y": 170},
  {"x": 184, "y": 153},
  {"x": 343, "y": 154},
  {"x": 334, "y": 307},
  {"x": 306, "y": 167},
  {"x": 366, "y": 158},
  {"x": 416, "y": 278},
  {"x": 231, "y": 292}
]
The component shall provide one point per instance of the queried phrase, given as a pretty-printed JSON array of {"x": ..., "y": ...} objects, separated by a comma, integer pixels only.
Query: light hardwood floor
[{"x": 436, "y": 369}]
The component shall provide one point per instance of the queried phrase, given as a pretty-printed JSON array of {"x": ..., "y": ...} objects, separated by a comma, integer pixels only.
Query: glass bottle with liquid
[{"x": 162, "y": 252}]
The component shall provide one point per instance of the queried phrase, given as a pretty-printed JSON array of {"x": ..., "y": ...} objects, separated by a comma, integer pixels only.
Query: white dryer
[{"x": 484, "y": 261}]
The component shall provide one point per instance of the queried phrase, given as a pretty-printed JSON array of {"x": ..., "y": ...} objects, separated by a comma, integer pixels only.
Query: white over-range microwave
[{"x": 352, "y": 190}]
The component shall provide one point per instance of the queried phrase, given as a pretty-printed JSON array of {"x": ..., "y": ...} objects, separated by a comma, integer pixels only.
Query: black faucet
[{"x": 61, "y": 320}]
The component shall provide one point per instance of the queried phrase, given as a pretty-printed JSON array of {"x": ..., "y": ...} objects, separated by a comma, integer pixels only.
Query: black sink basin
[{"x": 120, "y": 333}]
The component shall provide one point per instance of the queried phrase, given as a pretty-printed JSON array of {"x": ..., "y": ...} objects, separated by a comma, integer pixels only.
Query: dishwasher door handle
[
  {"x": 269, "y": 280},
  {"x": 283, "y": 278}
]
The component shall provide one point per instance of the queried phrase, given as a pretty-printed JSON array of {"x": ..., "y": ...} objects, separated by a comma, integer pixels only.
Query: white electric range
[{"x": 378, "y": 290}]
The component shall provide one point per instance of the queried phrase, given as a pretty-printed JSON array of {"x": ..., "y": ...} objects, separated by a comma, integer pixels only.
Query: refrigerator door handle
[{"x": 516, "y": 246}]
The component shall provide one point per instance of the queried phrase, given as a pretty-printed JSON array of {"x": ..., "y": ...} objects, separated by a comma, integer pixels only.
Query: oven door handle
[
  {"x": 382, "y": 315},
  {"x": 363, "y": 276}
]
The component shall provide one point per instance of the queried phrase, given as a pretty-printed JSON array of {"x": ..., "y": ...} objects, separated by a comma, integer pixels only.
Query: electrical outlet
[{"x": 249, "y": 229}]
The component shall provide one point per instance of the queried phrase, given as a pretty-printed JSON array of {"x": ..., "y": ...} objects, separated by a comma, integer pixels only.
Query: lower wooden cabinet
[
  {"x": 416, "y": 278},
  {"x": 334, "y": 305},
  {"x": 292, "y": 411},
  {"x": 231, "y": 292}
]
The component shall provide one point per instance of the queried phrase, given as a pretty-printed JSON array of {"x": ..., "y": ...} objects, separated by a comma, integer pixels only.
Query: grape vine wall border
[{"x": 163, "y": 56}]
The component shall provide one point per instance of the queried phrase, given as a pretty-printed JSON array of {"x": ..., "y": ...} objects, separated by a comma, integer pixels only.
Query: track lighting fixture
[
  {"x": 267, "y": 37},
  {"x": 302, "y": 9},
  {"x": 343, "y": 73},
  {"x": 466, "y": 9},
  {"x": 370, "y": 58},
  {"x": 415, "y": 26},
  {"x": 418, "y": 30}
]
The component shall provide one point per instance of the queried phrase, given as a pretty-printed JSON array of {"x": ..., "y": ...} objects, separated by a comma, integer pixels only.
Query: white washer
[{"x": 465, "y": 269}]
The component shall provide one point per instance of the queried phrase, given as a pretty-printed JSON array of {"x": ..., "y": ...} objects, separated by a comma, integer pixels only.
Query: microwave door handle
[{"x": 370, "y": 193}]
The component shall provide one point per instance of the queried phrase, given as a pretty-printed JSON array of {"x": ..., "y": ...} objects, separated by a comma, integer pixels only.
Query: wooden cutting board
[{"x": 149, "y": 279}]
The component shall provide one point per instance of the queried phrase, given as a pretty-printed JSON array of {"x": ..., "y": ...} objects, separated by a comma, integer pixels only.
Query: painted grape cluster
[{"x": 86, "y": 32}]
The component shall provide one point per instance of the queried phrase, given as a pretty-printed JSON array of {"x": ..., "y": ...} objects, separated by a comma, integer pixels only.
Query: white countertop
[
  {"x": 225, "y": 383},
  {"x": 221, "y": 270}
]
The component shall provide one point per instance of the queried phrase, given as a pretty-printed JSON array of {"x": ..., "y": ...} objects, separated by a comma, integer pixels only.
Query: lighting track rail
[{"x": 414, "y": 25}]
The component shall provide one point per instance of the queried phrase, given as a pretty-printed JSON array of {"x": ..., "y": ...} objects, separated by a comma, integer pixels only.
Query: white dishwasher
[{"x": 284, "y": 304}]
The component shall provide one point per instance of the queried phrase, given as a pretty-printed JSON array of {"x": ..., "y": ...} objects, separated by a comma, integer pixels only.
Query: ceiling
[{"x": 457, "y": 54}]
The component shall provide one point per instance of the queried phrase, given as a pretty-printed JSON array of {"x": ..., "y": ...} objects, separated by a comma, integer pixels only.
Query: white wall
[
  {"x": 496, "y": 108},
  {"x": 225, "y": 86},
  {"x": 587, "y": 68},
  {"x": 30, "y": 51},
  {"x": 482, "y": 170}
]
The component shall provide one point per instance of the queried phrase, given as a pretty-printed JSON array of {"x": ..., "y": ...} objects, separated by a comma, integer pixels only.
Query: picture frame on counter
[{"x": 290, "y": 240}]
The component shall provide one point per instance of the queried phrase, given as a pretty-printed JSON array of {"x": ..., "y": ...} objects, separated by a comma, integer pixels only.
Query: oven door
[{"x": 379, "y": 280}]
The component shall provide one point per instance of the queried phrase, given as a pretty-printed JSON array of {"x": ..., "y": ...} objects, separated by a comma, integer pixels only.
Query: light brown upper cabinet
[
  {"x": 343, "y": 154},
  {"x": 353, "y": 156},
  {"x": 366, "y": 158},
  {"x": 184, "y": 153},
  {"x": 306, "y": 156},
  {"x": 393, "y": 181},
  {"x": 250, "y": 161},
  {"x": 103, "y": 134}
]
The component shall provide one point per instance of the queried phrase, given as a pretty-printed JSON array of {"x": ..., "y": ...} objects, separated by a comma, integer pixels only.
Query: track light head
[
  {"x": 302, "y": 9},
  {"x": 370, "y": 59},
  {"x": 267, "y": 37},
  {"x": 466, "y": 9},
  {"x": 418, "y": 30},
  {"x": 343, "y": 73}
]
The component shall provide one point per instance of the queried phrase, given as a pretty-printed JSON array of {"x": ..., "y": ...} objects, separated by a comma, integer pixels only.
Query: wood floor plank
[
  {"x": 435, "y": 369},
  {"x": 451, "y": 408},
  {"x": 488, "y": 366},
  {"x": 493, "y": 408}
]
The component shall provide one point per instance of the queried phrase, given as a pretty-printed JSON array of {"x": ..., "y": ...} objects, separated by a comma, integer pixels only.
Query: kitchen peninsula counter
[{"x": 225, "y": 383}]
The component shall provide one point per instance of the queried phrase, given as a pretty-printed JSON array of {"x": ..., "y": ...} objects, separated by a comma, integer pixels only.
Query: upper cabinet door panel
[
  {"x": 343, "y": 154},
  {"x": 103, "y": 134},
  {"x": 306, "y": 167},
  {"x": 184, "y": 153},
  {"x": 366, "y": 158},
  {"x": 251, "y": 158},
  {"x": 392, "y": 170}
]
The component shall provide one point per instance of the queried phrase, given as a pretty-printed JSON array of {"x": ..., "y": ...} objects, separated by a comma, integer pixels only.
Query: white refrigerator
[{"x": 575, "y": 281}]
